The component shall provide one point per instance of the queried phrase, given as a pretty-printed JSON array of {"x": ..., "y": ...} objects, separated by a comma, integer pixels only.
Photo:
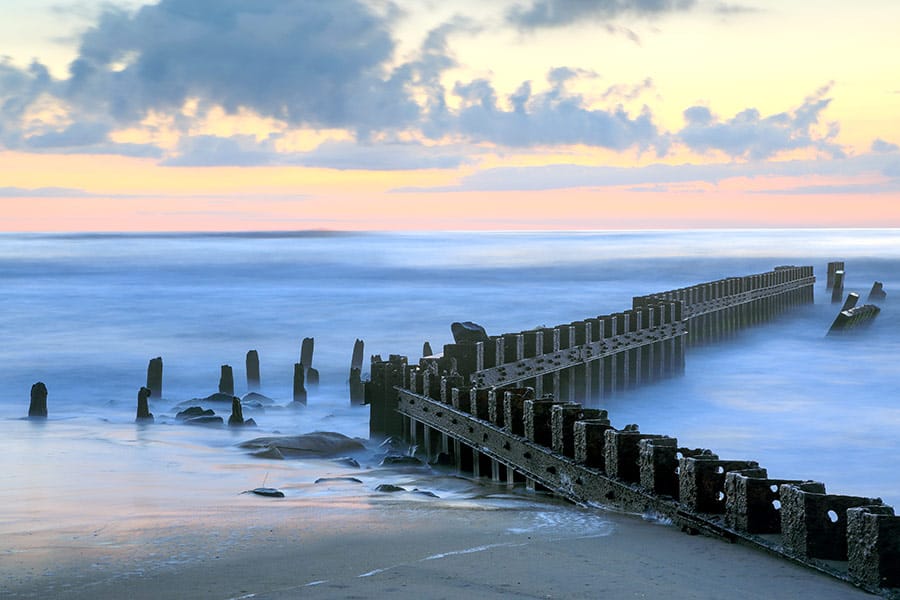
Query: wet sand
[{"x": 349, "y": 548}]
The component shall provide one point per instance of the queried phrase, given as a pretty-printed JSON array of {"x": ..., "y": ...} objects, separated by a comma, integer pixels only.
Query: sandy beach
[{"x": 401, "y": 548}]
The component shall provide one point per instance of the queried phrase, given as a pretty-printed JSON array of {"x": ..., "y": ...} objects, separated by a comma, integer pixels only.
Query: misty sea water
[{"x": 85, "y": 312}]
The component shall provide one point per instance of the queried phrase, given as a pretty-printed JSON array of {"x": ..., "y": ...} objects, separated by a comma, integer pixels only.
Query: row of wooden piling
[
  {"x": 514, "y": 437},
  {"x": 594, "y": 358},
  {"x": 717, "y": 310},
  {"x": 484, "y": 406}
]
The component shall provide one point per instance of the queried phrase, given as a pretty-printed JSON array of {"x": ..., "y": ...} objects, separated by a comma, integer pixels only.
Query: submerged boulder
[
  {"x": 318, "y": 444},
  {"x": 194, "y": 411}
]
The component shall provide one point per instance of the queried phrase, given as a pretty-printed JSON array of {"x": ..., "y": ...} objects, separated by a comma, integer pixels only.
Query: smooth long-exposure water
[{"x": 84, "y": 314}]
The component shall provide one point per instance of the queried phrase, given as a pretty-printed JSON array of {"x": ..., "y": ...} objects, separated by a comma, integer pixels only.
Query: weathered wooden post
[
  {"x": 357, "y": 388},
  {"x": 237, "y": 413},
  {"x": 426, "y": 349},
  {"x": 850, "y": 302},
  {"x": 382, "y": 397},
  {"x": 814, "y": 523},
  {"x": 252, "y": 363},
  {"x": 226, "y": 381},
  {"x": 837, "y": 292},
  {"x": 37, "y": 409},
  {"x": 877, "y": 292},
  {"x": 154, "y": 377},
  {"x": 873, "y": 546},
  {"x": 143, "y": 407},
  {"x": 833, "y": 268},
  {"x": 299, "y": 388},
  {"x": 306, "y": 358}
]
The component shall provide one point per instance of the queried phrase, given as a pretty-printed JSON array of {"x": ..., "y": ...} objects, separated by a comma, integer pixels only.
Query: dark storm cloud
[
  {"x": 558, "y": 13},
  {"x": 305, "y": 62},
  {"x": 750, "y": 135}
]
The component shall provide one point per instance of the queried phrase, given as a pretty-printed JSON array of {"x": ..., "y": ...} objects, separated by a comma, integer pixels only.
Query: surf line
[{"x": 473, "y": 550}]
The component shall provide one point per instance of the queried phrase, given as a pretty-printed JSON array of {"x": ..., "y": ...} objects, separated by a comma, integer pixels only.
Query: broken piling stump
[
  {"x": 252, "y": 363},
  {"x": 143, "y": 407},
  {"x": 299, "y": 388},
  {"x": 357, "y": 387},
  {"x": 37, "y": 409},
  {"x": 226, "y": 381},
  {"x": 306, "y": 358},
  {"x": 877, "y": 292},
  {"x": 853, "y": 318},
  {"x": 837, "y": 292},
  {"x": 154, "y": 377},
  {"x": 833, "y": 267}
]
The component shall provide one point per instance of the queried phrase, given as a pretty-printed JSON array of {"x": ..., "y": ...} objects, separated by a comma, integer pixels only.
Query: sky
[{"x": 206, "y": 115}]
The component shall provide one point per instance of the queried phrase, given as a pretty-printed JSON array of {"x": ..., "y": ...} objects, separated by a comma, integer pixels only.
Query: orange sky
[{"x": 525, "y": 114}]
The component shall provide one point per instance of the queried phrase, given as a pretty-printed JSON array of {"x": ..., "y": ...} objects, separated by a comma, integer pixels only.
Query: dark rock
[
  {"x": 194, "y": 411},
  {"x": 467, "y": 331},
  {"x": 249, "y": 423},
  {"x": 389, "y": 488},
  {"x": 347, "y": 462},
  {"x": 425, "y": 493},
  {"x": 143, "y": 409},
  {"x": 270, "y": 452},
  {"x": 205, "y": 421},
  {"x": 255, "y": 398},
  {"x": 401, "y": 461},
  {"x": 322, "y": 444},
  {"x": 334, "y": 479},
  {"x": 268, "y": 492},
  {"x": 37, "y": 409}
]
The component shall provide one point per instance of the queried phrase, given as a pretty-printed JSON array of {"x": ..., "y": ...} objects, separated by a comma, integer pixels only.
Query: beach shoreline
[{"x": 273, "y": 550}]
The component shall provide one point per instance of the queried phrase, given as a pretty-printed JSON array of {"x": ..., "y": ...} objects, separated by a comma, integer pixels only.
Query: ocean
[{"x": 83, "y": 313}]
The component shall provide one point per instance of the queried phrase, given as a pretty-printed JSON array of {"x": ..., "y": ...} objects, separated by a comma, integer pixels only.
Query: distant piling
[
  {"x": 143, "y": 406},
  {"x": 226, "y": 381},
  {"x": 37, "y": 409},
  {"x": 237, "y": 413},
  {"x": 357, "y": 387},
  {"x": 426, "y": 349},
  {"x": 877, "y": 292},
  {"x": 837, "y": 291},
  {"x": 154, "y": 377},
  {"x": 850, "y": 302},
  {"x": 306, "y": 358},
  {"x": 299, "y": 388},
  {"x": 833, "y": 267},
  {"x": 253, "y": 371}
]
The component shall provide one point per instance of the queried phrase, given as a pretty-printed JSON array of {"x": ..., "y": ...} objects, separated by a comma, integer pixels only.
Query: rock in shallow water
[
  {"x": 269, "y": 492},
  {"x": 318, "y": 444}
]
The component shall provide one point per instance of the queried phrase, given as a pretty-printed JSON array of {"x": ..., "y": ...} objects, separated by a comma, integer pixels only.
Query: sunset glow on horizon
[{"x": 211, "y": 115}]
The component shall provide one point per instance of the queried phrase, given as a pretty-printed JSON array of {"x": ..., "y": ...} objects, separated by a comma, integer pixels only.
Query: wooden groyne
[{"x": 508, "y": 407}]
